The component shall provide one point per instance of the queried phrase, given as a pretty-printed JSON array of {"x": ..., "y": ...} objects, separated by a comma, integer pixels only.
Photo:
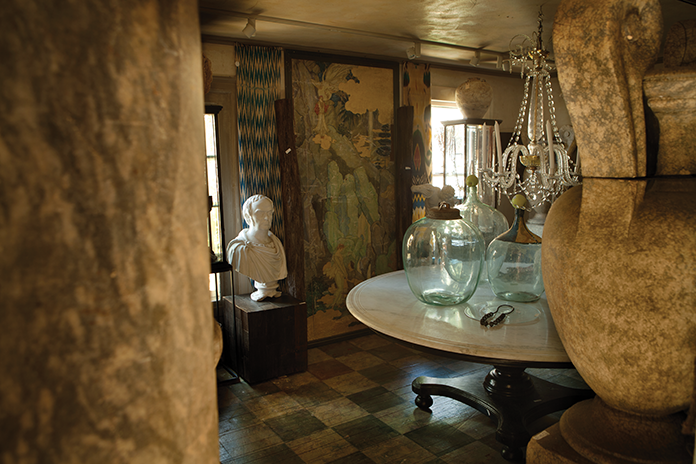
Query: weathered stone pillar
[{"x": 105, "y": 318}]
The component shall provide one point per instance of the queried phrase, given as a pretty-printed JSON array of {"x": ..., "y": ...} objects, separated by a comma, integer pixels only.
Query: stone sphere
[{"x": 474, "y": 97}]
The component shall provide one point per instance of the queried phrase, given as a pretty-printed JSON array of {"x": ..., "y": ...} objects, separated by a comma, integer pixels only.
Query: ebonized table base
[{"x": 509, "y": 396}]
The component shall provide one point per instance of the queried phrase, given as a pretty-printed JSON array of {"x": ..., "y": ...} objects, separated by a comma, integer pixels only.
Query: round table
[{"x": 527, "y": 338}]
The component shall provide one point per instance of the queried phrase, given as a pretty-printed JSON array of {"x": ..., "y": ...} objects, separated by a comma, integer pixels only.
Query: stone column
[{"x": 105, "y": 318}]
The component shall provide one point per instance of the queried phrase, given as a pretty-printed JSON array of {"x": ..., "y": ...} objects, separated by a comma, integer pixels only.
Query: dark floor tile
[
  {"x": 235, "y": 416},
  {"x": 327, "y": 369},
  {"x": 244, "y": 391},
  {"x": 385, "y": 373},
  {"x": 340, "y": 349},
  {"x": 273, "y": 455},
  {"x": 437, "y": 372},
  {"x": 224, "y": 455},
  {"x": 491, "y": 441},
  {"x": 370, "y": 341},
  {"x": 391, "y": 352},
  {"x": 225, "y": 397},
  {"x": 295, "y": 425},
  {"x": 544, "y": 423},
  {"x": 249, "y": 440},
  {"x": 231, "y": 410},
  {"x": 463, "y": 367},
  {"x": 355, "y": 458},
  {"x": 376, "y": 399},
  {"x": 314, "y": 394},
  {"x": 439, "y": 438},
  {"x": 365, "y": 432}
]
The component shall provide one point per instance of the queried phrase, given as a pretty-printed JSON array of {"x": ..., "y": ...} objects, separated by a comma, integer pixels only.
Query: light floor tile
[
  {"x": 362, "y": 360},
  {"x": 347, "y": 384},
  {"x": 321, "y": 447},
  {"x": 273, "y": 405},
  {"x": 290, "y": 383},
  {"x": 404, "y": 419},
  {"x": 337, "y": 412},
  {"x": 315, "y": 355}
]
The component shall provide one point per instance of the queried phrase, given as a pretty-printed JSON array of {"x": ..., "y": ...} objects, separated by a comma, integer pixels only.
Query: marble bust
[{"x": 256, "y": 252}]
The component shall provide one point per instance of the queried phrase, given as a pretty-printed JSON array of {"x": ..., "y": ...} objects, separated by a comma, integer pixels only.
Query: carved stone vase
[
  {"x": 618, "y": 259},
  {"x": 619, "y": 252}
]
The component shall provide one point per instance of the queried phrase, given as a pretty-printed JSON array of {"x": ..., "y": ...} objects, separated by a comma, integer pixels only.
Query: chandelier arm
[{"x": 510, "y": 158}]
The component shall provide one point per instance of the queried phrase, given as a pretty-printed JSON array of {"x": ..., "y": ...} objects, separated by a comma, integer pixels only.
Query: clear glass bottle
[
  {"x": 443, "y": 257},
  {"x": 489, "y": 221},
  {"x": 514, "y": 260}
]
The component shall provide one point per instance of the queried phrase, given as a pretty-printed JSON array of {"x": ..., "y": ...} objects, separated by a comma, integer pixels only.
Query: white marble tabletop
[{"x": 386, "y": 304}]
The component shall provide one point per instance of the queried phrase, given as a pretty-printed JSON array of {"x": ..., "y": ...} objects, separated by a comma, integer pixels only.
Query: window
[
  {"x": 444, "y": 171},
  {"x": 216, "y": 236},
  {"x": 461, "y": 149}
]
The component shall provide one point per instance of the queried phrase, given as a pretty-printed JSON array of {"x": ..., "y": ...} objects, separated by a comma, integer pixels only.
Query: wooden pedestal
[{"x": 268, "y": 338}]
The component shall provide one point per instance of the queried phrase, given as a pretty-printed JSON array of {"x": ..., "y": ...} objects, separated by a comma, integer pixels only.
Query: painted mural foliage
[{"x": 343, "y": 118}]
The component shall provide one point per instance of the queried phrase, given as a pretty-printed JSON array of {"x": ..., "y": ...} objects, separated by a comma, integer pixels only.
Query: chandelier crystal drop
[{"x": 548, "y": 168}]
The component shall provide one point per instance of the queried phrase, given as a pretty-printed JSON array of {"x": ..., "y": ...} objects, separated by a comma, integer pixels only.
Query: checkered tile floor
[{"x": 354, "y": 405}]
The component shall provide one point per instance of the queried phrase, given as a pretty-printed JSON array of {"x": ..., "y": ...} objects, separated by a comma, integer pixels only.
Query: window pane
[
  {"x": 215, "y": 219},
  {"x": 444, "y": 169}
]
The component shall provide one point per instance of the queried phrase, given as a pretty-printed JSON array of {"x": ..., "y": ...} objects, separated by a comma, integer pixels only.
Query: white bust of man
[{"x": 256, "y": 252}]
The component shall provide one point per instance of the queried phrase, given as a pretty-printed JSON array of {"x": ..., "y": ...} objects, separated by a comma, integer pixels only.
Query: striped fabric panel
[
  {"x": 416, "y": 92},
  {"x": 258, "y": 87},
  {"x": 418, "y": 207}
]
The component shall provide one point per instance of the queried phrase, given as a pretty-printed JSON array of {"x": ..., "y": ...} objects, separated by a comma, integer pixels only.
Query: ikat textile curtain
[
  {"x": 258, "y": 87},
  {"x": 416, "y": 93}
]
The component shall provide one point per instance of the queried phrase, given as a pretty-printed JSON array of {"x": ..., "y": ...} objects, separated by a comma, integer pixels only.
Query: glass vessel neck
[
  {"x": 471, "y": 195},
  {"x": 519, "y": 233}
]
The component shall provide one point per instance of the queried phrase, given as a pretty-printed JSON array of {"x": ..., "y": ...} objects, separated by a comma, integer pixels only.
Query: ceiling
[{"x": 448, "y": 31}]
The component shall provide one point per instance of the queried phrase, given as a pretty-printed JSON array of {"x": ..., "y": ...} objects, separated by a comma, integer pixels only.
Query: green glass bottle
[{"x": 514, "y": 260}]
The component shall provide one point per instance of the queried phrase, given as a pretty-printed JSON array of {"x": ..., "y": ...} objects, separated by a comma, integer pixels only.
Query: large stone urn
[
  {"x": 474, "y": 97},
  {"x": 619, "y": 252}
]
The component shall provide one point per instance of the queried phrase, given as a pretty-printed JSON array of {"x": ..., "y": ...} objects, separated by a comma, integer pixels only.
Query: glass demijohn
[
  {"x": 514, "y": 260},
  {"x": 443, "y": 257},
  {"x": 489, "y": 221}
]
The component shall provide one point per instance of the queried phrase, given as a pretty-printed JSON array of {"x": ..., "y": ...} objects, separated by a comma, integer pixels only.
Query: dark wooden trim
[
  {"x": 293, "y": 217},
  {"x": 403, "y": 161}
]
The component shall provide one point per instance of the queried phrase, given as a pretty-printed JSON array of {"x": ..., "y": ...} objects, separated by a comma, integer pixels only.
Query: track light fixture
[
  {"x": 250, "y": 28},
  {"x": 476, "y": 59},
  {"x": 414, "y": 52}
]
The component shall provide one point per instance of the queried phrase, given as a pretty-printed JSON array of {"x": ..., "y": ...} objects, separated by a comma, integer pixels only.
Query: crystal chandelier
[{"x": 548, "y": 170}]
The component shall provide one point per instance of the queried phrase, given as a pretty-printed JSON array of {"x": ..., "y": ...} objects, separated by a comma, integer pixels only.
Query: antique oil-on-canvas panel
[{"x": 343, "y": 127}]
